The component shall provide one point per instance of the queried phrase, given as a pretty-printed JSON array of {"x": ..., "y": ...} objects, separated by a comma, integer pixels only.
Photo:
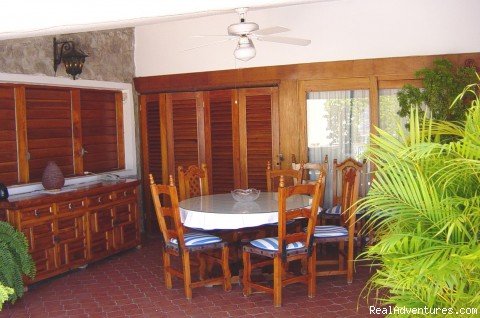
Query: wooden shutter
[
  {"x": 99, "y": 130},
  {"x": 258, "y": 134},
  {"x": 8, "y": 140},
  {"x": 223, "y": 128},
  {"x": 152, "y": 144},
  {"x": 183, "y": 108},
  {"x": 49, "y": 130}
]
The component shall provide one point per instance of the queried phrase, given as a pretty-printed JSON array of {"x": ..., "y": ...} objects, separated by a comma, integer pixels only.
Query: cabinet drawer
[
  {"x": 38, "y": 212},
  {"x": 126, "y": 194},
  {"x": 100, "y": 199},
  {"x": 70, "y": 206}
]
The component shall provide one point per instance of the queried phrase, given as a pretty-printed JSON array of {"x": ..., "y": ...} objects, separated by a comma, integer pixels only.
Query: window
[
  {"x": 389, "y": 119},
  {"x": 40, "y": 124},
  {"x": 338, "y": 125}
]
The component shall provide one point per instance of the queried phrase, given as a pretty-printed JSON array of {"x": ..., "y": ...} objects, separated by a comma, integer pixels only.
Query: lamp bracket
[{"x": 60, "y": 47}]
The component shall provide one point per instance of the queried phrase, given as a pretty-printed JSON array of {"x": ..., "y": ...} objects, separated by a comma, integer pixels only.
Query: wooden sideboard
[{"x": 70, "y": 229}]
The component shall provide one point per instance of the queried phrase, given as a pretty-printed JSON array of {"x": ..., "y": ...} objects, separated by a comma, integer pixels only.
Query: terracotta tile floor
[{"x": 130, "y": 284}]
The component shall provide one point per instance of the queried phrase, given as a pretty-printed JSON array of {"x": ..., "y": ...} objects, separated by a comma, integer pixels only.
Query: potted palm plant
[
  {"x": 15, "y": 261},
  {"x": 424, "y": 205}
]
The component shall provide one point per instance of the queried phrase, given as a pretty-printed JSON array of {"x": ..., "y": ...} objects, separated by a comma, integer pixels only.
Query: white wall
[{"x": 339, "y": 30}]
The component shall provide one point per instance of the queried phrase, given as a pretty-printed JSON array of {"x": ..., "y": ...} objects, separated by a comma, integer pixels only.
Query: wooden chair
[
  {"x": 339, "y": 170},
  {"x": 344, "y": 232},
  {"x": 293, "y": 176},
  {"x": 285, "y": 247},
  {"x": 309, "y": 168},
  {"x": 179, "y": 243},
  {"x": 193, "y": 182}
]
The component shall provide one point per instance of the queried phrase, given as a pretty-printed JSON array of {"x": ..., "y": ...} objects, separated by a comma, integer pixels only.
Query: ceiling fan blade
[
  {"x": 272, "y": 30},
  {"x": 208, "y": 44},
  {"x": 285, "y": 40},
  {"x": 214, "y": 36}
]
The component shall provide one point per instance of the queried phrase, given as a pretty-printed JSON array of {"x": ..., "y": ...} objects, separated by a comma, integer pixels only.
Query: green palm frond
[{"x": 424, "y": 206}]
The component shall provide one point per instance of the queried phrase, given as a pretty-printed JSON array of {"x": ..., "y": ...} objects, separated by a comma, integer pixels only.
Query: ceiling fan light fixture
[
  {"x": 245, "y": 49},
  {"x": 242, "y": 28}
]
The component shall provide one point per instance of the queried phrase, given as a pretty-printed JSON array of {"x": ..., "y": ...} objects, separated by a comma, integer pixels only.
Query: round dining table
[{"x": 222, "y": 212}]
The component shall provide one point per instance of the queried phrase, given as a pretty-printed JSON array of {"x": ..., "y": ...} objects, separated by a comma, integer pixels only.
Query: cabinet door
[
  {"x": 71, "y": 240},
  {"x": 125, "y": 232},
  {"x": 41, "y": 239},
  {"x": 101, "y": 232},
  {"x": 259, "y": 142}
]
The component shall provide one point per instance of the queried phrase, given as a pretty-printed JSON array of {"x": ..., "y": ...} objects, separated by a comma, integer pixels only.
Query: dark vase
[{"x": 52, "y": 178}]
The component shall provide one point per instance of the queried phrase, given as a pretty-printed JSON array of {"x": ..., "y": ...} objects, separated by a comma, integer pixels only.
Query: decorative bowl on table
[{"x": 247, "y": 195}]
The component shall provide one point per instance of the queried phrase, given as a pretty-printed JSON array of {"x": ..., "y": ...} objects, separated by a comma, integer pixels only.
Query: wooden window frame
[{"x": 75, "y": 124}]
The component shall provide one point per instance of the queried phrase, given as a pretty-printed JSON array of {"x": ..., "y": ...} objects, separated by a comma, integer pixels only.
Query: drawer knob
[
  {"x": 124, "y": 193},
  {"x": 99, "y": 200},
  {"x": 36, "y": 213},
  {"x": 70, "y": 206}
]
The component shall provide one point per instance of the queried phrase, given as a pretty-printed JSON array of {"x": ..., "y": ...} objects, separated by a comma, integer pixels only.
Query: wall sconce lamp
[{"x": 72, "y": 58}]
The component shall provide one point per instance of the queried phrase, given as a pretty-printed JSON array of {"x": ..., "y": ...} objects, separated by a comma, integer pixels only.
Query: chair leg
[
  {"x": 247, "y": 289},
  {"x": 187, "y": 276},
  {"x": 227, "y": 284},
  {"x": 277, "y": 281},
  {"x": 341, "y": 255},
  {"x": 202, "y": 268},
  {"x": 166, "y": 270},
  {"x": 312, "y": 273},
  {"x": 350, "y": 262}
]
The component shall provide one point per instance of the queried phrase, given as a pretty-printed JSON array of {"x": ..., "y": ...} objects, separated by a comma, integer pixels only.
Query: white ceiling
[{"x": 27, "y": 18}]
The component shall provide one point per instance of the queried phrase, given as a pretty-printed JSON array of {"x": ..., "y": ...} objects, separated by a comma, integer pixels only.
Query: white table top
[{"x": 221, "y": 211}]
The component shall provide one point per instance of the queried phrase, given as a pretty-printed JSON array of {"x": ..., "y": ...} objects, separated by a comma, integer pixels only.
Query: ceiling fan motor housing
[{"x": 242, "y": 28}]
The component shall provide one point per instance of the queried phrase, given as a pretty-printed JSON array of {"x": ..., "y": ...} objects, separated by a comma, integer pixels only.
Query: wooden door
[
  {"x": 8, "y": 138},
  {"x": 71, "y": 240},
  {"x": 125, "y": 225},
  {"x": 258, "y": 133},
  {"x": 101, "y": 232},
  {"x": 185, "y": 130},
  {"x": 42, "y": 246},
  {"x": 221, "y": 123},
  {"x": 49, "y": 130},
  {"x": 154, "y": 150}
]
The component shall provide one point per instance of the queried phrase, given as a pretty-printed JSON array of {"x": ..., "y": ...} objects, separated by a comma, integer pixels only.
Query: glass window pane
[
  {"x": 338, "y": 125},
  {"x": 389, "y": 120}
]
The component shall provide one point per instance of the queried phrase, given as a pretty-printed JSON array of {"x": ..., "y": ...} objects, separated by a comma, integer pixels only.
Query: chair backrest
[
  {"x": 168, "y": 217},
  {"x": 316, "y": 191},
  {"x": 193, "y": 182},
  {"x": 309, "y": 169},
  {"x": 291, "y": 176},
  {"x": 350, "y": 183},
  {"x": 339, "y": 170}
]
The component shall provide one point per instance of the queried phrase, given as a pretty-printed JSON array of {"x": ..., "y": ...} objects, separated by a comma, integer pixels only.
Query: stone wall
[{"x": 110, "y": 55}]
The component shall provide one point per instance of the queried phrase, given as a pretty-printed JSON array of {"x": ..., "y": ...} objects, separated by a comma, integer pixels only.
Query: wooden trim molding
[
  {"x": 21, "y": 124},
  {"x": 400, "y": 67}
]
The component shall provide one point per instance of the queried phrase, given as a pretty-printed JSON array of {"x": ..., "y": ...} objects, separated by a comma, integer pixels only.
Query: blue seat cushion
[
  {"x": 271, "y": 244},
  {"x": 330, "y": 231},
  {"x": 197, "y": 239},
  {"x": 337, "y": 210}
]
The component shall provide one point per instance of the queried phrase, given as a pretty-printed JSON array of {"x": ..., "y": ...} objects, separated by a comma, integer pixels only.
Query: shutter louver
[
  {"x": 99, "y": 129},
  {"x": 153, "y": 138},
  {"x": 185, "y": 142},
  {"x": 221, "y": 141},
  {"x": 8, "y": 138},
  {"x": 49, "y": 130},
  {"x": 259, "y": 138}
]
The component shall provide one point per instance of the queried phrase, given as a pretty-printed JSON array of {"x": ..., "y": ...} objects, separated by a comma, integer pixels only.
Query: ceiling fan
[{"x": 247, "y": 31}]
